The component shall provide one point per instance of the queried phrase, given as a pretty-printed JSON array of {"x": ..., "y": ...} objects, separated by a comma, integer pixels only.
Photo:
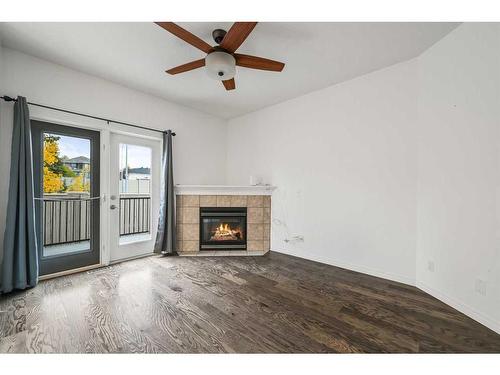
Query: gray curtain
[
  {"x": 20, "y": 255},
  {"x": 165, "y": 238}
]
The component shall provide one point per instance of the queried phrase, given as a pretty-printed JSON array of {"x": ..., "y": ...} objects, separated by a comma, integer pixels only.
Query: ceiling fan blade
[
  {"x": 187, "y": 67},
  {"x": 229, "y": 84},
  {"x": 186, "y": 36},
  {"x": 255, "y": 62},
  {"x": 237, "y": 35}
]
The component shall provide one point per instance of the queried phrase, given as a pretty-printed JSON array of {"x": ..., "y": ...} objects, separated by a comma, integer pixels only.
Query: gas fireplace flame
[{"x": 224, "y": 232}]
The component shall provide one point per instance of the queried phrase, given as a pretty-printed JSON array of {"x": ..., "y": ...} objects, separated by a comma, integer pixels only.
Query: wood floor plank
[
  {"x": 271, "y": 304},
  {"x": 12, "y": 314}
]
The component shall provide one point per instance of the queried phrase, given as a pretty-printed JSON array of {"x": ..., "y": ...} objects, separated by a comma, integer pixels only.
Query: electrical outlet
[
  {"x": 480, "y": 287},
  {"x": 430, "y": 266}
]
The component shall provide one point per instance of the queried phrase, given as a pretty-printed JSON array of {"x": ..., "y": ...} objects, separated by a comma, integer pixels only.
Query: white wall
[
  {"x": 344, "y": 162},
  {"x": 390, "y": 171},
  {"x": 199, "y": 148},
  {"x": 459, "y": 170}
]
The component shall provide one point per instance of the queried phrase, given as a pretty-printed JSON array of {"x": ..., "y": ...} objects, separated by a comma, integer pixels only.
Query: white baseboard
[
  {"x": 358, "y": 268},
  {"x": 478, "y": 316}
]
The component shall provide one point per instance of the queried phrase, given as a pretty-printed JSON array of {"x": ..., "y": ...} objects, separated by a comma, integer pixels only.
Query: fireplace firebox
[{"x": 223, "y": 228}]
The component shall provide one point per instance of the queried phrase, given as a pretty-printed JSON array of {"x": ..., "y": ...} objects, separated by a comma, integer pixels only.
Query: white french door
[{"x": 134, "y": 195}]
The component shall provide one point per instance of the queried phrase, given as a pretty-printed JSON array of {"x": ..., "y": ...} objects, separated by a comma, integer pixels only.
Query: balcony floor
[
  {"x": 131, "y": 238},
  {"x": 76, "y": 247},
  {"x": 66, "y": 248}
]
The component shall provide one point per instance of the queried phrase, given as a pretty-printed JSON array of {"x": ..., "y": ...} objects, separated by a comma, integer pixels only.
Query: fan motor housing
[{"x": 218, "y": 35}]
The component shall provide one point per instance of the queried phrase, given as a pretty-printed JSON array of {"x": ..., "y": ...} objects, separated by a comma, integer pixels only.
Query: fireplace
[{"x": 223, "y": 228}]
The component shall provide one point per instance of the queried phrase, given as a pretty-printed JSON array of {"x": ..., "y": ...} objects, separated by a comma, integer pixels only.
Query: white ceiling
[{"x": 136, "y": 55}]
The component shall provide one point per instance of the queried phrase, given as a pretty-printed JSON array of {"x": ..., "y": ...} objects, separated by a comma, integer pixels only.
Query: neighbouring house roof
[
  {"x": 78, "y": 159},
  {"x": 140, "y": 170}
]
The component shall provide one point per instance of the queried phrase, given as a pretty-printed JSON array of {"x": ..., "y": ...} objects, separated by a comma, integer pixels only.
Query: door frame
[
  {"x": 133, "y": 250},
  {"x": 47, "y": 115},
  {"x": 70, "y": 261}
]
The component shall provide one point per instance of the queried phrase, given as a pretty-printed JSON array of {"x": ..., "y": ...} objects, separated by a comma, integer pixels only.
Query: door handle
[{"x": 113, "y": 207}]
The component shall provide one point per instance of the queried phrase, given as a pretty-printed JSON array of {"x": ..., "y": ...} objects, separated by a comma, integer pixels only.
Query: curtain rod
[{"x": 9, "y": 99}]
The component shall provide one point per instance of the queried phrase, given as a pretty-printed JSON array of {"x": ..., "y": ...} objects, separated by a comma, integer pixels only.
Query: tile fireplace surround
[{"x": 257, "y": 200}]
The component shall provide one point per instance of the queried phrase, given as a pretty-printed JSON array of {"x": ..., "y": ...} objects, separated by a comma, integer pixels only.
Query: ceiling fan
[{"x": 221, "y": 60}]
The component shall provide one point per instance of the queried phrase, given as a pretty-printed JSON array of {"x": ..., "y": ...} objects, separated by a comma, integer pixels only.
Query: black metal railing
[
  {"x": 68, "y": 221},
  {"x": 134, "y": 214}
]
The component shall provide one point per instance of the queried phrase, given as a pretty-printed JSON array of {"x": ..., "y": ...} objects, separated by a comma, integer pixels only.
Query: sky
[
  {"x": 73, "y": 147},
  {"x": 138, "y": 156}
]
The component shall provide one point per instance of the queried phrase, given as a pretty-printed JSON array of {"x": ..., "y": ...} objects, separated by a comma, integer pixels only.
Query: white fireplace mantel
[{"x": 224, "y": 190}]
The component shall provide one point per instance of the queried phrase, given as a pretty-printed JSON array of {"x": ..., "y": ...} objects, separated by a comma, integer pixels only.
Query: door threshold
[
  {"x": 70, "y": 272},
  {"x": 91, "y": 267},
  {"x": 132, "y": 258}
]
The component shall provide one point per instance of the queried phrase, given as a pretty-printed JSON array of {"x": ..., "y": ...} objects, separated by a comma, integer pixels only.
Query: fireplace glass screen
[{"x": 223, "y": 228}]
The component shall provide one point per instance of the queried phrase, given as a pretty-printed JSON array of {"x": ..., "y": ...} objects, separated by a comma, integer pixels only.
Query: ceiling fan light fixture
[
  {"x": 221, "y": 60},
  {"x": 220, "y": 65}
]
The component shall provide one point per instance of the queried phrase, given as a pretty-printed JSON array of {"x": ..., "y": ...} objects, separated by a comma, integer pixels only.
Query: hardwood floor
[{"x": 270, "y": 304}]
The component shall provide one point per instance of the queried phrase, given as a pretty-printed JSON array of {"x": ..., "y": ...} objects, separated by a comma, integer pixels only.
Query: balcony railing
[
  {"x": 68, "y": 220},
  {"x": 65, "y": 221},
  {"x": 134, "y": 214}
]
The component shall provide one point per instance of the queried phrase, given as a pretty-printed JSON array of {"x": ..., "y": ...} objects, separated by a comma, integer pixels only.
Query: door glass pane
[
  {"x": 135, "y": 193},
  {"x": 66, "y": 188}
]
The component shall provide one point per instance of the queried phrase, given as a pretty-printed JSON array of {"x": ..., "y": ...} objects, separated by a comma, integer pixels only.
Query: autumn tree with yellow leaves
[
  {"x": 52, "y": 166},
  {"x": 54, "y": 170},
  {"x": 80, "y": 183}
]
